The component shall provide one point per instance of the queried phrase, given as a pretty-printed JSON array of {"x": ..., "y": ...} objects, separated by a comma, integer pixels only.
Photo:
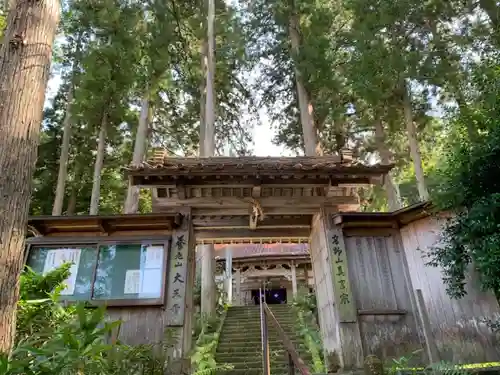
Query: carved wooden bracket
[{"x": 256, "y": 215}]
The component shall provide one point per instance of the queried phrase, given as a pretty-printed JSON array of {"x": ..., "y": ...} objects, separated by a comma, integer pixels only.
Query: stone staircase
[{"x": 240, "y": 341}]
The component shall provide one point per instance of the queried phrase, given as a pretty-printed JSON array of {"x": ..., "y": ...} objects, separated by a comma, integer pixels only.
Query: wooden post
[
  {"x": 179, "y": 298},
  {"x": 237, "y": 287},
  {"x": 432, "y": 351},
  {"x": 294, "y": 280}
]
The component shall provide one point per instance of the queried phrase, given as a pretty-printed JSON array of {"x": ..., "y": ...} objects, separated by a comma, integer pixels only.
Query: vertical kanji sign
[
  {"x": 178, "y": 267},
  {"x": 342, "y": 288}
]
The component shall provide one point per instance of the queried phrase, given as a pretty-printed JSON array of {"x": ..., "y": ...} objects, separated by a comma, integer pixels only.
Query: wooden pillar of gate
[
  {"x": 336, "y": 305},
  {"x": 179, "y": 296}
]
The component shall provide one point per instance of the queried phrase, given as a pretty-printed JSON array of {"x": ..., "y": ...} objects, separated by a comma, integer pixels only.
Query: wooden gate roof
[{"x": 172, "y": 169}]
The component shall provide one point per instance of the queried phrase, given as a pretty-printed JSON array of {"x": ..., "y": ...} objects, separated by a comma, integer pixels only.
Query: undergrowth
[
  {"x": 55, "y": 339},
  {"x": 304, "y": 305},
  {"x": 403, "y": 366}
]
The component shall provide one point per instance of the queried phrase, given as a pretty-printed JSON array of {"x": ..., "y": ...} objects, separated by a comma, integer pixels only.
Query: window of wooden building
[{"x": 114, "y": 273}]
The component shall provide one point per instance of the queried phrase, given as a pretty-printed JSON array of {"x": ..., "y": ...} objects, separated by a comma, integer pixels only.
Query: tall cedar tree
[{"x": 25, "y": 58}]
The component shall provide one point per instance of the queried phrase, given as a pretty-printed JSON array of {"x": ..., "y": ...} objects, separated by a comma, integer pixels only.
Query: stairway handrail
[{"x": 294, "y": 360}]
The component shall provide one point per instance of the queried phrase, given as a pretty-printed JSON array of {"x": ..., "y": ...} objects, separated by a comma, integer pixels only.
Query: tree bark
[
  {"x": 208, "y": 291},
  {"x": 209, "y": 139},
  {"x": 25, "y": 57},
  {"x": 203, "y": 95},
  {"x": 311, "y": 144},
  {"x": 71, "y": 208},
  {"x": 63, "y": 159},
  {"x": 414, "y": 147},
  {"x": 99, "y": 161},
  {"x": 132, "y": 199},
  {"x": 391, "y": 188}
]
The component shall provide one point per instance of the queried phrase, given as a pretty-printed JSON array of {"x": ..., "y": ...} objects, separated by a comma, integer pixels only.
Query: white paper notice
[
  {"x": 56, "y": 258},
  {"x": 154, "y": 257},
  {"x": 132, "y": 282},
  {"x": 151, "y": 282}
]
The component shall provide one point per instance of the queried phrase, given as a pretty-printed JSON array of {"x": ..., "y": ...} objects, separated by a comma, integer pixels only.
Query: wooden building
[
  {"x": 278, "y": 269},
  {"x": 366, "y": 267}
]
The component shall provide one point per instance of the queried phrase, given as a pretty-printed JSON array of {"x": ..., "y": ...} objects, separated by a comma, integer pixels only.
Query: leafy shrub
[
  {"x": 470, "y": 189},
  {"x": 305, "y": 309},
  {"x": 55, "y": 339}
]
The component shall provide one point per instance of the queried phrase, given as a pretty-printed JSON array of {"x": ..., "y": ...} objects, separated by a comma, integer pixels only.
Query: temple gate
[{"x": 364, "y": 264}]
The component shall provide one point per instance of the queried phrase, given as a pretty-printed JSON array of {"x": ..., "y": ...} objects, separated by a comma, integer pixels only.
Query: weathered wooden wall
[
  {"x": 457, "y": 325},
  {"x": 141, "y": 324},
  {"x": 386, "y": 318}
]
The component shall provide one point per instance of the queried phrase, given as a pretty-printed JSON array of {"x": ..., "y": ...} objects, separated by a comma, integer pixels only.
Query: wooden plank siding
[
  {"x": 458, "y": 326},
  {"x": 140, "y": 325},
  {"x": 387, "y": 322}
]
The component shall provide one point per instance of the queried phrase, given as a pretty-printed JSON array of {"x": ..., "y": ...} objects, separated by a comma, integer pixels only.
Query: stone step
[
  {"x": 256, "y": 325},
  {"x": 241, "y": 337},
  {"x": 280, "y": 319},
  {"x": 255, "y": 331},
  {"x": 253, "y": 346},
  {"x": 257, "y": 328},
  {"x": 249, "y": 318},
  {"x": 278, "y": 356},
  {"x": 257, "y": 363},
  {"x": 284, "y": 323},
  {"x": 257, "y": 371},
  {"x": 256, "y": 309},
  {"x": 256, "y": 312}
]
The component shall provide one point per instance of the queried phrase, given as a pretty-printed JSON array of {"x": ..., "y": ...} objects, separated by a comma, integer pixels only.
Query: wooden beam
[
  {"x": 234, "y": 202},
  {"x": 252, "y": 240},
  {"x": 250, "y": 181},
  {"x": 242, "y": 221},
  {"x": 283, "y": 233},
  {"x": 242, "y": 211}
]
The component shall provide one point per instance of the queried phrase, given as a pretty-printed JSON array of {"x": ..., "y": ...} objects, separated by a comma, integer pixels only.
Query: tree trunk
[
  {"x": 209, "y": 140},
  {"x": 63, "y": 159},
  {"x": 203, "y": 95},
  {"x": 391, "y": 188},
  {"x": 99, "y": 160},
  {"x": 132, "y": 199},
  {"x": 309, "y": 130},
  {"x": 70, "y": 210},
  {"x": 414, "y": 147},
  {"x": 208, "y": 290},
  {"x": 25, "y": 57}
]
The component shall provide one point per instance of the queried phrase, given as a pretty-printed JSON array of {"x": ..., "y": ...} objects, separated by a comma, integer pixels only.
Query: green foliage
[
  {"x": 55, "y": 339},
  {"x": 203, "y": 357},
  {"x": 469, "y": 188},
  {"x": 305, "y": 308},
  {"x": 3, "y": 22},
  {"x": 38, "y": 306}
]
